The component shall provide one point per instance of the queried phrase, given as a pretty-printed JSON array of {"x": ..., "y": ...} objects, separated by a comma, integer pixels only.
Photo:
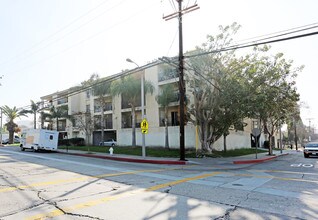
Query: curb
[
  {"x": 126, "y": 159},
  {"x": 258, "y": 160}
]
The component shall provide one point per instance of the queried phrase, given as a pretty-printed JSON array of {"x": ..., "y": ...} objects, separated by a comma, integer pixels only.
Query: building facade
[{"x": 86, "y": 108}]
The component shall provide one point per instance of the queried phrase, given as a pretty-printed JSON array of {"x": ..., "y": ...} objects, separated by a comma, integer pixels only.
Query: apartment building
[{"x": 118, "y": 114}]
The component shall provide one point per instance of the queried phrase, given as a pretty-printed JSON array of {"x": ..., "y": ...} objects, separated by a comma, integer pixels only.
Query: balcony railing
[
  {"x": 166, "y": 74},
  {"x": 108, "y": 125}
]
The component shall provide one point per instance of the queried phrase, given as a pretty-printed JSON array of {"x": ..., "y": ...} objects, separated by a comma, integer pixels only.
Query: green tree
[
  {"x": 166, "y": 96},
  {"x": 12, "y": 114},
  {"x": 130, "y": 90},
  {"x": 58, "y": 113},
  {"x": 35, "y": 108},
  {"x": 271, "y": 80},
  {"x": 101, "y": 89},
  {"x": 84, "y": 122},
  {"x": 215, "y": 107}
]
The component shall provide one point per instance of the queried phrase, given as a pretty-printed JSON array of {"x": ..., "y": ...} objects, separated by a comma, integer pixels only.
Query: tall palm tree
[
  {"x": 35, "y": 108},
  {"x": 166, "y": 96},
  {"x": 12, "y": 114},
  {"x": 101, "y": 89},
  {"x": 130, "y": 89},
  {"x": 59, "y": 112}
]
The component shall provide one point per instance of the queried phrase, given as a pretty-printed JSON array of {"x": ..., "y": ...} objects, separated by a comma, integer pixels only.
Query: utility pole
[{"x": 181, "y": 71}]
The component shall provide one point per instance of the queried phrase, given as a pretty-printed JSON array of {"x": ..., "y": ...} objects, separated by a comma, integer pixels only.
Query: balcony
[{"x": 167, "y": 74}]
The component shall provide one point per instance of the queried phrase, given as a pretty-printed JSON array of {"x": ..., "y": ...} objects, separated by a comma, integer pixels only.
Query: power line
[
  {"x": 79, "y": 42},
  {"x": 60, "y": 30},
  {"x": 105, "y": 80},
  {"x": 235, "y": 47},
  {"x": 303, "y": 27}
]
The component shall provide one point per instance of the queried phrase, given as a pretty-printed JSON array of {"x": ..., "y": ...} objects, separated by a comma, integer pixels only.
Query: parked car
[
  {"x": 311, "y": 148},
  {"x": 109, "y": 142},
  {"x": 16, "y": 140}
]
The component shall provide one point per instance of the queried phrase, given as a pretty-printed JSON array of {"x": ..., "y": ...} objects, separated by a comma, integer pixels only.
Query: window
[
  {"x": 51, "y": 137},
  {"x": 88, "y": 108},
  {"x": 88, "y": 94},
  {"x": 62, "y": 100},
  {"x": 174, "y": 119}
]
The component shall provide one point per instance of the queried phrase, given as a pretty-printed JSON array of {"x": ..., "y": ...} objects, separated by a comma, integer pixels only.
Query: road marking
[
  {"x": 181, "y": 181},
  {"x": 278, "y": 178},
  {"x": 59, "y": 212},
  {"x": 77, "y": 179},
  {"x": 283, "y": 171}
]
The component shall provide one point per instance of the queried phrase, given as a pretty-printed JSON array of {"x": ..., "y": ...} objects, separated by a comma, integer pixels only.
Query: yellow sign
[{"x": 144, "y": 126}]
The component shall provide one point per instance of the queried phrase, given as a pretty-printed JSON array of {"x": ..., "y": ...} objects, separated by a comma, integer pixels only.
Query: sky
[{"x": 50, "y": 45}]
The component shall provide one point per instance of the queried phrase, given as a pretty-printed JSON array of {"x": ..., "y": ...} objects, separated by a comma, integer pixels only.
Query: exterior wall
[{"x": 156, "y": 135}]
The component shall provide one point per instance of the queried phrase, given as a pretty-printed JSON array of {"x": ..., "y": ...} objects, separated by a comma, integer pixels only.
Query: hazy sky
[{"x": 51, "y": 45}]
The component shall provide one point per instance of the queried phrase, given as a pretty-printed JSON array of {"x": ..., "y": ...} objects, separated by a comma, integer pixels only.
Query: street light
[{"x": 142, "y": 106}]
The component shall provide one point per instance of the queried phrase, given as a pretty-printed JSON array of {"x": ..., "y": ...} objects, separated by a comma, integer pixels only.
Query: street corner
[{"x": 259, "y": 160}]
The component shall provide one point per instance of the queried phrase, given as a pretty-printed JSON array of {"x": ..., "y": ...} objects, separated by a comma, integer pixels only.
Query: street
[{"x": 60, "y": 186}]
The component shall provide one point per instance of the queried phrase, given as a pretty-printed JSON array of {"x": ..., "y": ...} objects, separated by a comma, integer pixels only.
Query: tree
[
  {"x": 130, "y": 90},
  {"x": 59, "y": 112},
  {"x": 216, "y": 105},
  {"x": 274, "y": 96},
  {"x": 84, "y": 122},
  {"x": 166, "y": 96},
  {"x": 35, "y": 108},
  {"x": 12, "y": 114},
  {"x": 101, "y": 89}
]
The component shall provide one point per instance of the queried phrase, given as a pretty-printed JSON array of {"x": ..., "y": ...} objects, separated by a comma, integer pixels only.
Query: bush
[
  {"x": 71, "y": 141},
  {"x": 63, "y": 142},
  {"x": 77, "y": 141}
]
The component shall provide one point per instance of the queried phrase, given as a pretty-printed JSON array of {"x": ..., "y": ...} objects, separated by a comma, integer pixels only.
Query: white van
[{"x": 39, "y": 139}]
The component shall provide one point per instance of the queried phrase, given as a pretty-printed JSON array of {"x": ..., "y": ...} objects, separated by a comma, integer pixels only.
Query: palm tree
[
  {"x": 59, "y": 112},
  {"x": 130, "y": 90},
  {"x": 12, "y": 114},
  {"x": 35, "y": 108},
  {"x": 102, "y": 90},
  {"x": 166, "y": 96}
]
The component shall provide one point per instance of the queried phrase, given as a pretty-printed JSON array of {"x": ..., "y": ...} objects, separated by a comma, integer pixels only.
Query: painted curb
[
  {"x": 126, "y": 159},
  {"x": 258, "y": 160}
]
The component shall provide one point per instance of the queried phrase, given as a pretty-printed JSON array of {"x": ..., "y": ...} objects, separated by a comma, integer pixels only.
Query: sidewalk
[{"x": 246, "y": 159}]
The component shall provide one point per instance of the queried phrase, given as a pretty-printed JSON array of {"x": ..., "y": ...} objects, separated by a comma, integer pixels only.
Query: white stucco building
[{"x": 118, "y": 119}]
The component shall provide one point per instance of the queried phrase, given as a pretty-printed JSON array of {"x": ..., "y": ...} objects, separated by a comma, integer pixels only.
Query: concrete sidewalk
[{"x": 246, "y": 159}]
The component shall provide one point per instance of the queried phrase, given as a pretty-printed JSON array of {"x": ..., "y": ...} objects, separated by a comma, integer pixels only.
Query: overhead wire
[
  {"x": 234, "y": 47},
  {"x": 80, "y": 42},
  {"x": 58, "y": 31}
]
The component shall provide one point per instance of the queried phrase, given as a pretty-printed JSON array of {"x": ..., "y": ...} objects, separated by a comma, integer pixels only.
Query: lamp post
[{"x": 142, "y": 106}]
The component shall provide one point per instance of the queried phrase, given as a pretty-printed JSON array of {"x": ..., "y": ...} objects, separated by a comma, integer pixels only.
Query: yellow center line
[
  {"x": 77, "y": 179},
  {"x": 58, "y": 212},
  {"x": 156, "y": 187}
]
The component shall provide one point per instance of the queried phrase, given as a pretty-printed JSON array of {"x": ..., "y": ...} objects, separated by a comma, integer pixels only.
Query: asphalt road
[{"x": 59, "y": 186}]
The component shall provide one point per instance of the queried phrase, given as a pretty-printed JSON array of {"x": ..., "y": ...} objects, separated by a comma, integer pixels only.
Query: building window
[
  {"x": 88, "y": 94},
  {"x": 62, "y": 100},
  {"x": 88, "y": 108},
  {"x": 174, "y": 119}
]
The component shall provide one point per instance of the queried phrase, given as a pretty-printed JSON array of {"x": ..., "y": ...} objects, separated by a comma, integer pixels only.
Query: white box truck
[{"x": 39, "y": 139}]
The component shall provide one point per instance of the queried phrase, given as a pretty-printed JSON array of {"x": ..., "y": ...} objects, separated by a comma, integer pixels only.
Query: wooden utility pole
[{"x": 181, "y": 71}]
